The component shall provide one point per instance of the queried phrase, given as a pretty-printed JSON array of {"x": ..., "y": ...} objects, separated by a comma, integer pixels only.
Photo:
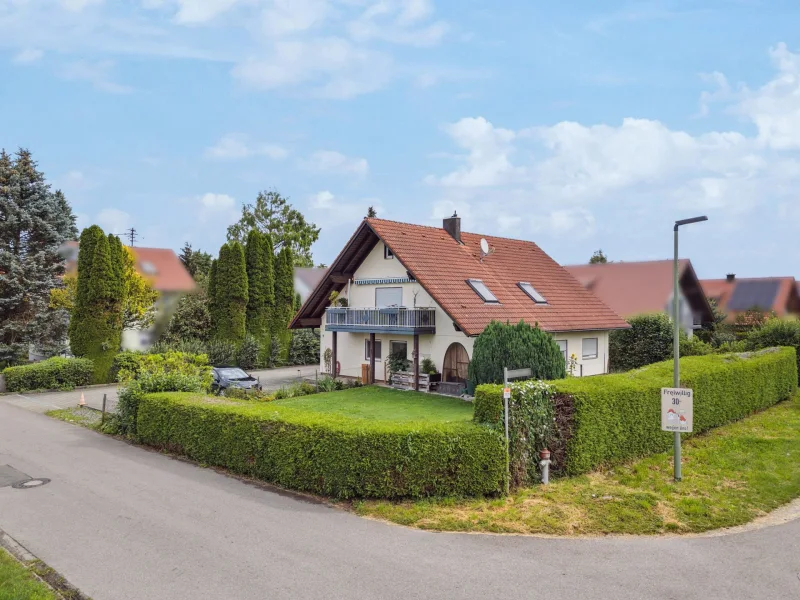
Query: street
[{"x": 121, "y": 522}]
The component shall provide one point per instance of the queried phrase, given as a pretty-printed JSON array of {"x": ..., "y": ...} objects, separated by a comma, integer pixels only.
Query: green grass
[
  {"x": 731, "y": 475},
  {"x": 383, "y": 404},
  {"x": 85, "y": 417},
  {"x": 19, "y": 583}
]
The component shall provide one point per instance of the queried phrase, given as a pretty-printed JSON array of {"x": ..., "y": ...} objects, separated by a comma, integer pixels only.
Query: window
[
  {"x": 532, "y": 293},
  {"x": 482, "y": 291},
  {"x": 589, "y": 348},
  {"x": 377, "y": 349},
  {"x": 562, "y": 345},
  {"x": 388, "y": 296},
  {"x": 387, "y": 252},
  {"x": 398, "y": 347}
]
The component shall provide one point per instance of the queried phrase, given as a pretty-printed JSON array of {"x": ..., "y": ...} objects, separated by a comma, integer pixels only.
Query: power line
[{"x": 131, "y": 234}]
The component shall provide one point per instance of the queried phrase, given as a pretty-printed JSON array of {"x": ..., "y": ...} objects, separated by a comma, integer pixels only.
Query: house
[
  {"x": 165, "y": 272},
  {"x": 635, "y": 288},
  {"x": 429, "y": 291},
  {"x": 306, "y": 279},
  {"x": 735, "y": 295}
]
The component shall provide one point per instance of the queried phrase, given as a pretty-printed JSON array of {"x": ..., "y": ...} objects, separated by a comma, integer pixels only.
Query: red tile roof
[
  {"x": 635, "y": 288},
  {"x": 442, "y": 266},
  {"x": 786, "y": 301}
]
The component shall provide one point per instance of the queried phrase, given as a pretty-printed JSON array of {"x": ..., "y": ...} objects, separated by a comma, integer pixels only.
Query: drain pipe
[{"x": 544, "y": 463}]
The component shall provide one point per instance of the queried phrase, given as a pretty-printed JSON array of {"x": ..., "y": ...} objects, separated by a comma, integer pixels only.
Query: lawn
[
  {"x": 374, "y": 403},
  {"x": 19, "y": 583},
  {"x": 731, "y": 475}
]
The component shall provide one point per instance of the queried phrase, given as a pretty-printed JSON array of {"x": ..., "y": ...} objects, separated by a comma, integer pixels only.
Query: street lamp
[{"x": 676, "y": 342}]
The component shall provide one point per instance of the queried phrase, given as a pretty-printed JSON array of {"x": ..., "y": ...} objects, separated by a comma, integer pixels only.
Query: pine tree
[
  {"x": 34, "y": 222},
  {"x": 231, "y": 293},
  {"x": 256, "y": 301}
]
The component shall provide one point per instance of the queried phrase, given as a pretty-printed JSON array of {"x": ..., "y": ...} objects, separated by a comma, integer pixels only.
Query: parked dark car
[{"x": 232, "y": 377}]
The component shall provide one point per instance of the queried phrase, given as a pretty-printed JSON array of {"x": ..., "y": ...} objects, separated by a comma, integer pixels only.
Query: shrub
[
  {"x": 295, "y": 390},
  {"x": 130, "y": 365},
  {"x": 187, "y": 346},
  {"x": 531, "y": 424},
  {"x": 515, "y": 347},
  {"x": 248, "y": 353},
  {"x": 775, "y": 332},
  {"x": 694, "y": 346},
  {"x": 252, "y": 394},
  {"x": 221, "y": 353},
  {"x": 648, "y": 340},
  {"x": 304, "y": 349},
  {"x": 327, "y": 454},
  {"x": 398, "y": 362},
  {"x": 608, "y": 419},
  {"x": 328, "y": 384},
  {"x": 428, "y": 366},
  {"x": 51, "y": 374}
]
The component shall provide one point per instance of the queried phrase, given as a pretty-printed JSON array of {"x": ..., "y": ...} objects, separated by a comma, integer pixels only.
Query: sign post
[{"x": 677, "y": 415}]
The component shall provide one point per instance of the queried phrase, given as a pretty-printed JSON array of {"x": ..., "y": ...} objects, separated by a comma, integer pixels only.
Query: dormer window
[
  {"x": 531, "y": 292},
  {"x": 387, "y": 252},
  {"x": 484, "y": 292}
]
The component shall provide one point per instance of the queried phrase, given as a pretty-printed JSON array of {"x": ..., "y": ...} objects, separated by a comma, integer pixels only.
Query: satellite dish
[{"x": 484, "y": 246}]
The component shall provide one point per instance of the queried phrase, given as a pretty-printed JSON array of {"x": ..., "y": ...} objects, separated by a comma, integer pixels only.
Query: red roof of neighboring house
[
  {"x": 161, "y": 266},
  {"x": 635, "y": 288},
  {"x": 778, "y": 294},
  {"x": 442, "y": 266}
]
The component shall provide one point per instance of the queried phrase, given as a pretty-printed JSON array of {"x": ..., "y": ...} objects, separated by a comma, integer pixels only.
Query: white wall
[{"x": 351, "y": 346}]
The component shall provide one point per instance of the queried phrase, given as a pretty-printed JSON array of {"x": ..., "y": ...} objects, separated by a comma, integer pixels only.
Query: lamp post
[{"x": 676, "y": 342}]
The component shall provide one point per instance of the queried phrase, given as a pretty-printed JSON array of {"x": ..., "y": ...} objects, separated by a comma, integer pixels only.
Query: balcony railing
[{"x": 381, "y": 320}]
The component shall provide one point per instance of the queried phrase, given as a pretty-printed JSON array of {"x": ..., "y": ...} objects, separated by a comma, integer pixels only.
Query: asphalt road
[
  {"x": 121, "y": 522},
  {"x": 271, "y": 379}
]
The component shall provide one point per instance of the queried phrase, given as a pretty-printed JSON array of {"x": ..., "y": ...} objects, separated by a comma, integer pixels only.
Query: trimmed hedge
[
  {"x": 618, "y": 417},
  {"x": 608, "y": 419},
  {"x": 326, "y": 454},
  {"x": 51, "y": 374}
]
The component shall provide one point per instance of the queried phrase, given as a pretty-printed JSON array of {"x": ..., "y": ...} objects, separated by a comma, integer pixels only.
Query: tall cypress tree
[
  {"x": 82, "y": 316},
  {"x": 211, "y": 294},
  {"x": 231, "y": 293},
  {"x": 284, "y": 301},
  {"x": 34, "y": 222},
  {"x": 256, "y": 301}
]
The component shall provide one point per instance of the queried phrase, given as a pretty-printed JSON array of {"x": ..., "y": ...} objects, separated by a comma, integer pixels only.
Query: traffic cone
[{"x": 82, "y": 401}]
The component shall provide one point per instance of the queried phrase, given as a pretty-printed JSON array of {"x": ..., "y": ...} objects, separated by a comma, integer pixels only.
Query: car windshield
[{"x": 232, "y": 373}]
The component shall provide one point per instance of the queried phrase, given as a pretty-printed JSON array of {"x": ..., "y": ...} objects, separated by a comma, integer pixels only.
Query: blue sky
[{"x": 575, "y": 124}]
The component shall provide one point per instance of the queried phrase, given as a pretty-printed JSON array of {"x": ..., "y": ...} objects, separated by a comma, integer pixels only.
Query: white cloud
[
  {"x": 97, "y": 73},
  {"x": 328, "y": 161},
  {"x": 237, "y": 146},
  {"x": 402, "y": 22},
  {"x": 327, "y": 208},
  {"x": 79, "y": 5},
  {"x": 113, "y": 220},
  {"x": 213, "y": 202},
  {"x": 282, "y": 17},
  {"x": 27, "y": 56},
  {"x": 193, "y": 12},
  {"x": 221, "y": 208}
]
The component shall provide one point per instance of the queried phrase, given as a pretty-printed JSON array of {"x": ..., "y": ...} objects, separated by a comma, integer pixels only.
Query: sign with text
[
  {"x": 507, "y": 393},
  {"x": 676, "y": 409}
]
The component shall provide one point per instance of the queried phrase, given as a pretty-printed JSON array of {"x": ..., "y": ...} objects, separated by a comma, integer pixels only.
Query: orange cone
[{"x": 82, "y": 401}]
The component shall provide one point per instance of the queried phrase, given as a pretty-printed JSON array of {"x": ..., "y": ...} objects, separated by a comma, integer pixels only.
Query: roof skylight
[
  {"x": 482, "y": 291},
  {"x": 532, "y": 293}
]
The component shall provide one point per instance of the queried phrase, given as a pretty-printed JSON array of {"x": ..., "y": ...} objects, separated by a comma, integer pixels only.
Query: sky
[{"x": 576, "y": 124}]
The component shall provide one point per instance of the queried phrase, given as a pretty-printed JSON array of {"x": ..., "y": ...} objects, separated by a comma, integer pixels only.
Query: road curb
[{"x": 48, "y": 575}]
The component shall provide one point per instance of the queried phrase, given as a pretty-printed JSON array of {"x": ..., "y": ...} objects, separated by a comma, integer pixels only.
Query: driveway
[
  {"x": 271, "y": 379},
  {"x": 124, "y": 523}
]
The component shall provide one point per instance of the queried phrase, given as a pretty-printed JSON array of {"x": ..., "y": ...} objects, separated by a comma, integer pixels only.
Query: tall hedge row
[
  {"x": 52, "y": 374},
  {"x": 327, "y": 454},
  {"x": 608, "y": 419}
]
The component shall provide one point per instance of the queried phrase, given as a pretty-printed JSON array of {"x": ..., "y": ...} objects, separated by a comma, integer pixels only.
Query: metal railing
[{"x": 416, "y": 319}]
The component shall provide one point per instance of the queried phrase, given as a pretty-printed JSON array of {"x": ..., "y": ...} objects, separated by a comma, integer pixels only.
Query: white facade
[{"x": 352, "y": 347}]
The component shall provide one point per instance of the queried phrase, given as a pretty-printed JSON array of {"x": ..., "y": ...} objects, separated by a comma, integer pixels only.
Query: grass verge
[
  {"x": 85, "y": 417},
  {"x": 732, "y": 475},
  {"x": 18, "y": 582}
]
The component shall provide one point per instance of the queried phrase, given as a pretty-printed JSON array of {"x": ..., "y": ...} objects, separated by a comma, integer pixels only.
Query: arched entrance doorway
[{"x": 456, "y": 363}]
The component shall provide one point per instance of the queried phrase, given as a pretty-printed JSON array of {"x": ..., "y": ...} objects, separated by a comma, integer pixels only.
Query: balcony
[{"x": 399, "y": 320}]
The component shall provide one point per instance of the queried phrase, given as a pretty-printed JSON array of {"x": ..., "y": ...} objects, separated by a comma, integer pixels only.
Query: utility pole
[{"x": 131, "y": 235}]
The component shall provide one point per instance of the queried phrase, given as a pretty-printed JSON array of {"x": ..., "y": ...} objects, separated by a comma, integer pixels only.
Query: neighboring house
[
  {"x": 735, "y": 295},
  {"x": 306, "y": 279},
  {"x": 635, "y": 288},
  {"x": 412, "y": 286},
  {"x": 167, "y": 275}
]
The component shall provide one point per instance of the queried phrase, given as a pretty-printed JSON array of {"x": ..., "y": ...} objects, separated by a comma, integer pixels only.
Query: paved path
[
  {"x": 271, "y": 379},
  {"x": 121, "y": 522}
]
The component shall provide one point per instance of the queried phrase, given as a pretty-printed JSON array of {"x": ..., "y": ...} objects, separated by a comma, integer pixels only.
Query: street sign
[
  {"x": 677, "y": 409},
  {"x": 506, "y": 393}
]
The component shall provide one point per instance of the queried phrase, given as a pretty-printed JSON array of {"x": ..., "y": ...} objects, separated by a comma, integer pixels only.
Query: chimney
[
  {"x": 730, "y": 277},
  {"x": 453, "y": 227}
]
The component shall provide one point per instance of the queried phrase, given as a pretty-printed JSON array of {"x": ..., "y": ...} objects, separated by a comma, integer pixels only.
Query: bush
[
  {"x": 295, "y": 390},
  {"x": 221, "y": 353},
  {"x": 515, "y": 347},
  {"x": 649, "y": 340},
  {"x": 694, "y": 346},
  {"x": 428, "y": 366},
  {"x": 248, "y": 353},
  {"x": 327, "y": 454},
  {"x": 51, "y": 374},
  {"x": 187, "y": 346},
  {"x": 608, "y": 419},
  {"x": 530, "y": 425},
  {"x": 775, "y": 333},
  {"x": 130, "y": 365},
  {"x": 304, "y": 349},
  {"x": 236, "y": 393}
]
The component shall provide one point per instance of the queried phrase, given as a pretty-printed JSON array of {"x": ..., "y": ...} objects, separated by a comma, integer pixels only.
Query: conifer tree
[
  {"x": 231, "y": 293},
  {"x": 256, "y": 302},
  {"x": 284, "y": 301},
  {"x": 211, "y": 292},
  {"x": 34, "y": 222}
]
